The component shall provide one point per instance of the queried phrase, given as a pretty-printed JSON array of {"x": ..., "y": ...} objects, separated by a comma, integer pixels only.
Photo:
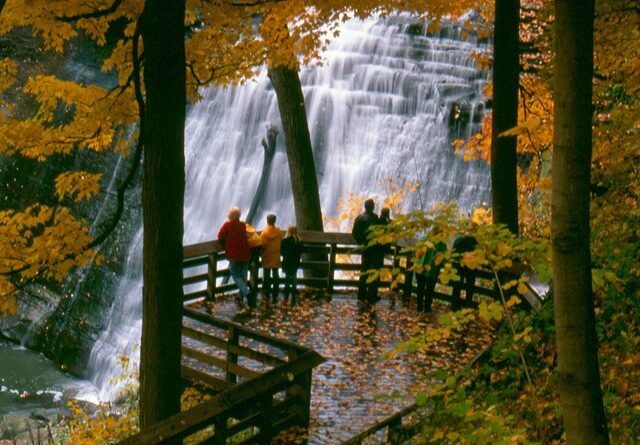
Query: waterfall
[{"x": 379, "y": 107}]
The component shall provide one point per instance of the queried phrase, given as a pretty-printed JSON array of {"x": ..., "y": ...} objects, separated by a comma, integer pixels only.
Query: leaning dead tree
[{"x": 269, "y": 146}]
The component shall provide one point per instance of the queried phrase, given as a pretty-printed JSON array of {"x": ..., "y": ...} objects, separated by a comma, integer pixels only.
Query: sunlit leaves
[
  {"x": 78, "y": 185},
  {"x": 8, "y": 70},
  {"x": 39, "y": 242}
]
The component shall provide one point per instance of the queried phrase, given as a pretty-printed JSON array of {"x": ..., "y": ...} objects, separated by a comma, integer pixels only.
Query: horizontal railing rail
[
  {"x": 397, "y": 431},
  {"x": 335, "y": 260}
]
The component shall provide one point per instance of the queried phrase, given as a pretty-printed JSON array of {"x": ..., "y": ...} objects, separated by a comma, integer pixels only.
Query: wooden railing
[
  {"x": 204, "y": 265},
  {"x": 397, "y": 430},
  {"x": 261, "y": 385}
]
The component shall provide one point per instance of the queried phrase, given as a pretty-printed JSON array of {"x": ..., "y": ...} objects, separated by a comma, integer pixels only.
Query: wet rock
[
  {"x": 459, "y": 116},
  {"x": 35, "y": 303}
]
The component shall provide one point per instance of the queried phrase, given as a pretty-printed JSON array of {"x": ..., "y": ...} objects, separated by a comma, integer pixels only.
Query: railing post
[
  {"x": 212, "y": 275},
  {"x": 407, "y": 288},
  {"x": 331, "y": 269},
  {"x": 302, "y": 388},
  {"x": 220, "y": 431},
  {"x": 266, "y": 419},
  {"x": 233, "y": 339},
  {"x": 304, "y": 381},
  {"x": 394, "y": 430},
  {"x": 254, "y": 267}
]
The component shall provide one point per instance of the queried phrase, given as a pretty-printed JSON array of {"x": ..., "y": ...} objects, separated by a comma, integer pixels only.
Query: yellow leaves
[
  {"x": 7, "y": 300},
  {"x": 78, "y": 185},
  {"x": 490, "y": 311},
  {"x": 40, "y": 242},
  {"x": 524, "y": 336},
  {"x": 69, "y": 115},
  {"x": 8, "y": 70}
]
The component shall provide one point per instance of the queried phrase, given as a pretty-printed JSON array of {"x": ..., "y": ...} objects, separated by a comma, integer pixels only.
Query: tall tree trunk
[
  {"x": 162, "y": 29},
  {"x": 581, "y": 396},
  {"x": 306, "y": 197},
  {"x": 506, "y": 71}
]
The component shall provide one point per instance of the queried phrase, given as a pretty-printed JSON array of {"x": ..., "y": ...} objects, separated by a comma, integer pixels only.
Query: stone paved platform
[{"x": 359, "y": 384}]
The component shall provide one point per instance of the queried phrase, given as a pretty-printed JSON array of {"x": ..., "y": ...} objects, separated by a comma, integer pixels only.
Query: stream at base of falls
[{"x": 32, "y": 386}]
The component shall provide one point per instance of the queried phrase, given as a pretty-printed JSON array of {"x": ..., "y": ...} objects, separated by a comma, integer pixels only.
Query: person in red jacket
[{"x": 233, "y": 235}]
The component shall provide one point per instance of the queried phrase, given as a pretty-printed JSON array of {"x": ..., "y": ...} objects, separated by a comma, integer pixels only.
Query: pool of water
[{"x": 29, "y": 382}]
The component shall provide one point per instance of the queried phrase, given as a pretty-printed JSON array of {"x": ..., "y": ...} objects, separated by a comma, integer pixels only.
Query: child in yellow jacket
[{"x": 271, "y": 238}]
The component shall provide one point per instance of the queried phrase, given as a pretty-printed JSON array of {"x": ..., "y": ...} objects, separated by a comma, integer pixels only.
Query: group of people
[
  {"x": 426, "y": 280},
  {"x": 276, "y": 248}
]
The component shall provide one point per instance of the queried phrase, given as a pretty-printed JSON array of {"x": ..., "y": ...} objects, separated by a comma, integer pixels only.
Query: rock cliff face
[
  {"x": 62, "y": 320},
  {"x": 35, "y": 304},
  {"x": 68, "y": 333}
]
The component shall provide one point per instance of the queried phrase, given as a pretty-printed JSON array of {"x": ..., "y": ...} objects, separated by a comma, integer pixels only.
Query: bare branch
[{"x": 199, "y": 82}]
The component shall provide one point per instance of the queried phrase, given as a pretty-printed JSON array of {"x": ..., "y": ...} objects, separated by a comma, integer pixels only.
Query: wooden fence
[
  {"x": 334, "y": 260},
  {"x": 261, "y": 385}
]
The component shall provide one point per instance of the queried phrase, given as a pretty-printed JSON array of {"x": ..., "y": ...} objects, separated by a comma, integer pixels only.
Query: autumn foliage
[{"x": 43, "y": 116}]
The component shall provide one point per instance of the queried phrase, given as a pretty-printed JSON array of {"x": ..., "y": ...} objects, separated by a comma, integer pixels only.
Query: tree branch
[
  {"x": 137, "y": 155},
  {"x": 90, "y": 15},
  {"x": 199, "y": 82},
  {"x": 254, "y": 3}
]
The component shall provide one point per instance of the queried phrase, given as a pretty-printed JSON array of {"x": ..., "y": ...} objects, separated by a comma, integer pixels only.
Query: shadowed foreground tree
[
  {"x": 162, "y": 30},
  {"x": 583, "y": 411},
  {"x": 506, "y": 72}
]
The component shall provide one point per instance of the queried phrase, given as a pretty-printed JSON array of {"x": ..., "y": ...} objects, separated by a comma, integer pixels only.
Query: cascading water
[{"x": 379, "y": 108}]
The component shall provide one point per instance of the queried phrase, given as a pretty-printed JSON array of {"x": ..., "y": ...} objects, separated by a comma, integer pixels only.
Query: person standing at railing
[
  {"x": 233, "y": 236},
  {"x": 372, "y": 256},
  {"x": 431, "y": 263},
  {"x": 291, "y": 250},
  {"x": 461, "y": 245},
  {"x": 271, "y": 238}
]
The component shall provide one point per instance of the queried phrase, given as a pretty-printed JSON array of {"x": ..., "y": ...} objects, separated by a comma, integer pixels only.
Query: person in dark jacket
[
  {"x": 428, "y": 278},
  {"x": 291, "y": 249},
  {"x": 463, "y": 244},
  {"x": 233, "y": 235},
  {"x": 385, "y": 220},
  {"x": 372, "y": 256},
  {"x": 385, "y": 216}
]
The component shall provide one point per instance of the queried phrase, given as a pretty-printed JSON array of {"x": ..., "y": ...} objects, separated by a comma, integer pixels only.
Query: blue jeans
[{"x": 238, "y": 271}]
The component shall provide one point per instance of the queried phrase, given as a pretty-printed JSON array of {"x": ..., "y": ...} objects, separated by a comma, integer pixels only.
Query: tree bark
[
  {"x": 269, "y": 146},
  {"x": 162, "y": 29},
  {"x": 506, "y": 71},
  {"x": 304, "y": 183},
  {"x": 580, "y": 393}
]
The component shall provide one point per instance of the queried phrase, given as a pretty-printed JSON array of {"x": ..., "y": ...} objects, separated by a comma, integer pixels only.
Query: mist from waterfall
[{"x": 378, "y": 109}]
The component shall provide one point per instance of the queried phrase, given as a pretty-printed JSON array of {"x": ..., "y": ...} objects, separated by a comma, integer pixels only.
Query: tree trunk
[
  {"x": 269, "y": 146},
  {"x": 162, "y": 29},
  {"x": 304, "y": 184},
  {"x": 580, "y": 393},
  {"x": 506, "y": 70}
]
